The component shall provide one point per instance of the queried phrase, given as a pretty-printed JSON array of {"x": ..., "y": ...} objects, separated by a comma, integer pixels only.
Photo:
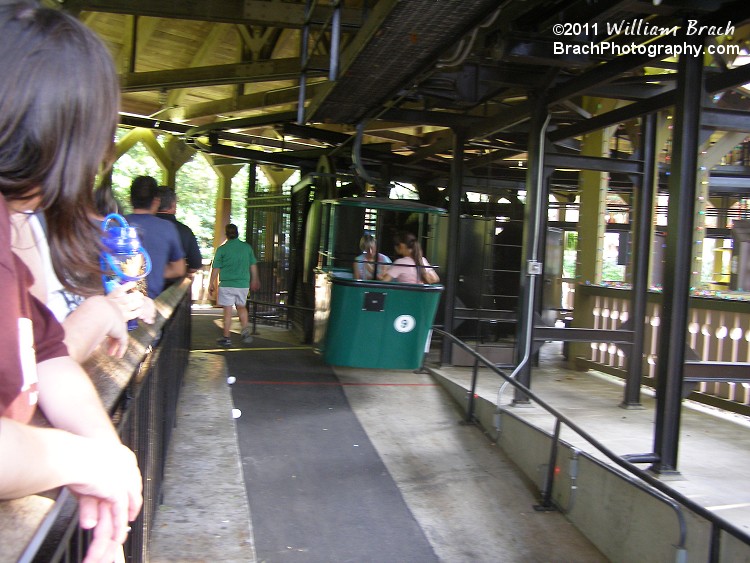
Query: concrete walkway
[
  {"x": 714, "y": 452},
  {"x": 468, "y": 498},
  {"x": 466, "y": 494},
  {"x": 205, "y": 514}
]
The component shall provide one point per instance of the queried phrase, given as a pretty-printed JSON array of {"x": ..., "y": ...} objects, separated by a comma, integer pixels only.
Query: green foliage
[
  {"x": 569, "y": 263},
  {"x": 571, "y": 240},
  {"x": 196, "y": 189},
  {"x": 197, "y": 185},
  {"x": 136, "y": 162},
  {"x": 611, "y": 271},
  {"x": 570, "y": 254},
  {"x": 239, "y": 194},
  {"x": 196, "y": 200}
]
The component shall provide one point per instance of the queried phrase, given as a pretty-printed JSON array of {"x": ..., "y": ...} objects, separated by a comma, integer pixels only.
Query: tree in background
[
  {"x": 196, "y": 190},
  {"x": 239, "y": 195},
  {"x": 196, "y": 201},
  {"x": 136, "y": 162}
]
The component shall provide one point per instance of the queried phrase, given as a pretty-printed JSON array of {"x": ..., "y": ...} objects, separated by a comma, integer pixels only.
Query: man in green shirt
[{"x": 234, "y": 272}]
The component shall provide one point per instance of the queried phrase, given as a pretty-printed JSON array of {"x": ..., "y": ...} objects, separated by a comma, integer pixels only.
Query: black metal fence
[
  {"x": 149, "y": 415},
  {"x": 720, "y": 529},
  {"x": 141, "y": 393}
]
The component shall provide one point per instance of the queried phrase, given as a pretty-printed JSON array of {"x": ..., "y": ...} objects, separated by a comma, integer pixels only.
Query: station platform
[
  {"x": 714, "y": 452},
  {"x": 333, "y": 465}
]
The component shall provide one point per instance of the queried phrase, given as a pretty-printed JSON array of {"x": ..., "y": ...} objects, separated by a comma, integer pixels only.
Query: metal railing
[
  {"x": 270, "y": 310},
  {"x": 717, "y": 337},
  {"x": 645, "y": 481},
  {"x": 140, "y": 392}
]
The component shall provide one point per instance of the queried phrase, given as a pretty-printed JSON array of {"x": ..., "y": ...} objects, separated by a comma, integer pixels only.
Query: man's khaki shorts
[{"x": 229, "y": 296}]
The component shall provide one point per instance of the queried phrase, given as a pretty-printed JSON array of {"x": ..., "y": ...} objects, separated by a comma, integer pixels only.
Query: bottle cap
[{"x": 122, "y": 240}]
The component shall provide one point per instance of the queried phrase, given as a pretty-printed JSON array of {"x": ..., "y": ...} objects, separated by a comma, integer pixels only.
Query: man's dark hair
[
  {"x": 167, "y": 198},
  {"x": 142, "y": 192},
  {"x": 231, "y": 231}
]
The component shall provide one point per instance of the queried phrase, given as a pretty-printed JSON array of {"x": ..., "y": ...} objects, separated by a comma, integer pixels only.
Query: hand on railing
[
  {"x": 102, "y": 320},
  {"x": 109, "y": 497},
  {"x": 133, "y": 304}
]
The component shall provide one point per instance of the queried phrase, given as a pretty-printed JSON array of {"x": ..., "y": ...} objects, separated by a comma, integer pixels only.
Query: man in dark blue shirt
[
  {"x": 166, "y": 211},
  {"x": 158, "y": 237}
]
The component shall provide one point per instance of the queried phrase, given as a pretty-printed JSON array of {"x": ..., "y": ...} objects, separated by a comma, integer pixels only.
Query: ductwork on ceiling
[{"x": 391, "y": 52}]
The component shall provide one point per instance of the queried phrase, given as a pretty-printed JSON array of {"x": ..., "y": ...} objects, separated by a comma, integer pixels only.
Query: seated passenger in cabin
[
  {"x": 370, "y": 265},
  {"x": 412, "y": 267}
]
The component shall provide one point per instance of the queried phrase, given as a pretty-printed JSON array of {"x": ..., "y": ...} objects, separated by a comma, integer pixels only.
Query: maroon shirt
[{"x": 29, "y": 333}]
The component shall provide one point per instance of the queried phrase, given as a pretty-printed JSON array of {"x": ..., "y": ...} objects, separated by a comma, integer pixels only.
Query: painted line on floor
[
  {"x": 728, "y": 506},
  {"x": 337, "y": 384},
  {"x": 222, "y": 349}
]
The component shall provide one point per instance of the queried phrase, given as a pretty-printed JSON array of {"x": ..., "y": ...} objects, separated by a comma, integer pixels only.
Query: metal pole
[
  {"x": 472, "y": 391},
  {"x": 250, "y": 216},
  {"x": 714, "y": 547},
  {"x": 454, "y": 217},
  {"x": 641, "y": 246},
  {"x": 134, "y": 49},
  {"x": 547, "y": 496},
  {"x": 531, "y": 270},
  {"x": 678, "y": 261},
  {"x": 304, "y": 39},
  {"x": 333, "y": 70}
]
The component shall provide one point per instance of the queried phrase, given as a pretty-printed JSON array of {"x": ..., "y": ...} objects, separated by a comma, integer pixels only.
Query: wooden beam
[
  {"x": 261, "y": 71},
  {"x": 210, "y": 42},
  {"x": 249, "y": 12},
  {"x": 270, "y": 99}
]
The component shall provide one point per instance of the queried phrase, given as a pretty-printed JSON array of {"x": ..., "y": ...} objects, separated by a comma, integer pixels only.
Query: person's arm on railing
[
  {"x": 99, "y": 471},
  {"x": 70, "y": 402},
  {"x": 83, "y": 452},
  {"x": 96, "y": 320},
  {"x": 102, "y": 319}
]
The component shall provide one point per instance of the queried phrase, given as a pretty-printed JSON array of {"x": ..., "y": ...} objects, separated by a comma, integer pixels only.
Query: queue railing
[
  {"x": 140, "y": 391},
  {"x": 266, "y": 311},
  {"x": 640, "y": 478}
]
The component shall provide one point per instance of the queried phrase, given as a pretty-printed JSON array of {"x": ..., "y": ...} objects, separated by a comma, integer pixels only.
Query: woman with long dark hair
[
  {"x": 59, "y": 97},
  {"x": 412, "y": 267}
]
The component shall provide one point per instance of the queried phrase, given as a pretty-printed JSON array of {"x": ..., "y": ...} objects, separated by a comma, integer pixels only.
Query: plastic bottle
[{"x": 124, "y": 259}]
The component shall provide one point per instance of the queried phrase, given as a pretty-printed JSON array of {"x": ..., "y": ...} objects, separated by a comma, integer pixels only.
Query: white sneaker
[{"x": 247, "y": 337}]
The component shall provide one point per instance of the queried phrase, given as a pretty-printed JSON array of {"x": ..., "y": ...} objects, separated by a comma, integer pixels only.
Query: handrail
[
  {"x": 668, "y": 495},
  {"x": 256, "y": 302},
  {"x": 140, "y": 392}
]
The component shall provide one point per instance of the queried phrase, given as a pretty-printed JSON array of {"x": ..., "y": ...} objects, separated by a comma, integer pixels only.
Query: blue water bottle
[{"x": 124, "y": 259}]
